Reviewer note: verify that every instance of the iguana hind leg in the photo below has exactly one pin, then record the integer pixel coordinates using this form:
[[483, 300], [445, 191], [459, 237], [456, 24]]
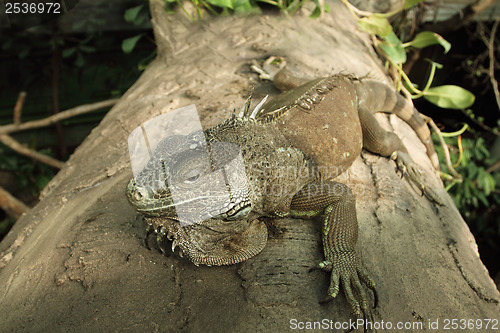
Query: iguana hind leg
[[376, 96], [336, 203], [388, 144]]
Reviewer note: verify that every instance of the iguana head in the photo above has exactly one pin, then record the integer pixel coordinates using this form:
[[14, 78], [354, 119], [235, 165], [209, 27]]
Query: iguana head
[[190, 180], [196, 194]]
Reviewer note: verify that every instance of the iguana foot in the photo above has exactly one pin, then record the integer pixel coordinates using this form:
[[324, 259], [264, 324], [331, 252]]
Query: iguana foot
[[269, 68], [406, 165], [345, 270]]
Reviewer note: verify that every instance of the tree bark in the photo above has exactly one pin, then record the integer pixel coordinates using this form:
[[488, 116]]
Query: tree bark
[[77, 261]]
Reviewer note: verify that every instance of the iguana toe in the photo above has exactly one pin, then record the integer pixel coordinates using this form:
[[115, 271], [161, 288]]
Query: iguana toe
[[270, 67], [345, 271], [407, 167], [370, 284]]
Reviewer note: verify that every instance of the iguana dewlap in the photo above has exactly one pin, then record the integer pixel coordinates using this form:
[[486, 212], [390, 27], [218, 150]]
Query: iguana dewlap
[[286, 143]]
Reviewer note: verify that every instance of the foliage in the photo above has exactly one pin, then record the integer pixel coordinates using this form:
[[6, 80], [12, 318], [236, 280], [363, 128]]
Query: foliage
[[78, 50], [30, 175], [225, 7], [470, 159], [91, 66], [137, 16], [394, 51], [386, 41], [476, 196], [473, 188]]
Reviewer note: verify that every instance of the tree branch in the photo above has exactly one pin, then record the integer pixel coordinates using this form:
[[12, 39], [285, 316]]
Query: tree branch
[[12, 206], [491, 53], [493, 167], [57, 117], [447, 158], [18, 109], [21, 149]]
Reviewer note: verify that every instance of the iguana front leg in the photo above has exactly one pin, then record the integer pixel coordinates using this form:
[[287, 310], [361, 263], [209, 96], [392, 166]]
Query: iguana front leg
[[274, 69], [336, 203]]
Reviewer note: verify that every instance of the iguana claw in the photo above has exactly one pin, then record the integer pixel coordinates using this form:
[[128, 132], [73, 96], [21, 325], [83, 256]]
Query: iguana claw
[[346, 271], [406, 166], [269, 68]]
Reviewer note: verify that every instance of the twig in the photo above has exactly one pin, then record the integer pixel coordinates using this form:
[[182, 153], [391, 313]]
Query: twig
[[493, 167], [12, 206], [57, 117], [21, 149], [18, 109], [481, 124], [445, 147], [491, 53]]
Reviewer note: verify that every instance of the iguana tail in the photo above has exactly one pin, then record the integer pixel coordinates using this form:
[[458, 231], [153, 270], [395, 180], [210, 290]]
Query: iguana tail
[[378, 97]]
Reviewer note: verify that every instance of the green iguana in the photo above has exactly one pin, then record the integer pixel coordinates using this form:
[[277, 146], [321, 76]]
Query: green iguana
[[286, 143]]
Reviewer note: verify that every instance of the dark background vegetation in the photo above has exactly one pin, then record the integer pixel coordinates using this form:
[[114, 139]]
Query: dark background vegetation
[[62, 64], [73, 61]]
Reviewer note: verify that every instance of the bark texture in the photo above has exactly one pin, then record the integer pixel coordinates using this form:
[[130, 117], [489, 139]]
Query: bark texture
[[77, 261]]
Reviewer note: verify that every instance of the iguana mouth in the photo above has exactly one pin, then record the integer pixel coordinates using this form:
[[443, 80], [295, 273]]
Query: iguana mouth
[[147, 201], [188, 210]]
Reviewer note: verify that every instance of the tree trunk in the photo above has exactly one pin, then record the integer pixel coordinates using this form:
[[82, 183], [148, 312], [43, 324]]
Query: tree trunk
[[77, 261]]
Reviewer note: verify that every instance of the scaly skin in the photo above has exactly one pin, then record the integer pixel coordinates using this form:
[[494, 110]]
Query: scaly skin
[[296, 143]]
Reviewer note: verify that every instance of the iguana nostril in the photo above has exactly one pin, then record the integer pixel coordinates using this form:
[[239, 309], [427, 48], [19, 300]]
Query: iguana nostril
[[138, 196]]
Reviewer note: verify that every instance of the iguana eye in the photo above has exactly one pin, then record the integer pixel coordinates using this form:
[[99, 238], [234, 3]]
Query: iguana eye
[[192, 176], [192, 179]]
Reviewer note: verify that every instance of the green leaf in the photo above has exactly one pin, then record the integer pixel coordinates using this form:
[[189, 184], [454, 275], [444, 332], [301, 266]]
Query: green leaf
[[140, 19], [66, 53], [394, 49], [246, 7], [87, 49], [489, 183], [450, 97], [77, 25], [222, 3], [427, 38], [41, 181], [80, 60], [145, 62], [131, 13], [483, 199], [24, 53], [375, 25], [316, 12], [467, 189], [411, 3], [129, 44]]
